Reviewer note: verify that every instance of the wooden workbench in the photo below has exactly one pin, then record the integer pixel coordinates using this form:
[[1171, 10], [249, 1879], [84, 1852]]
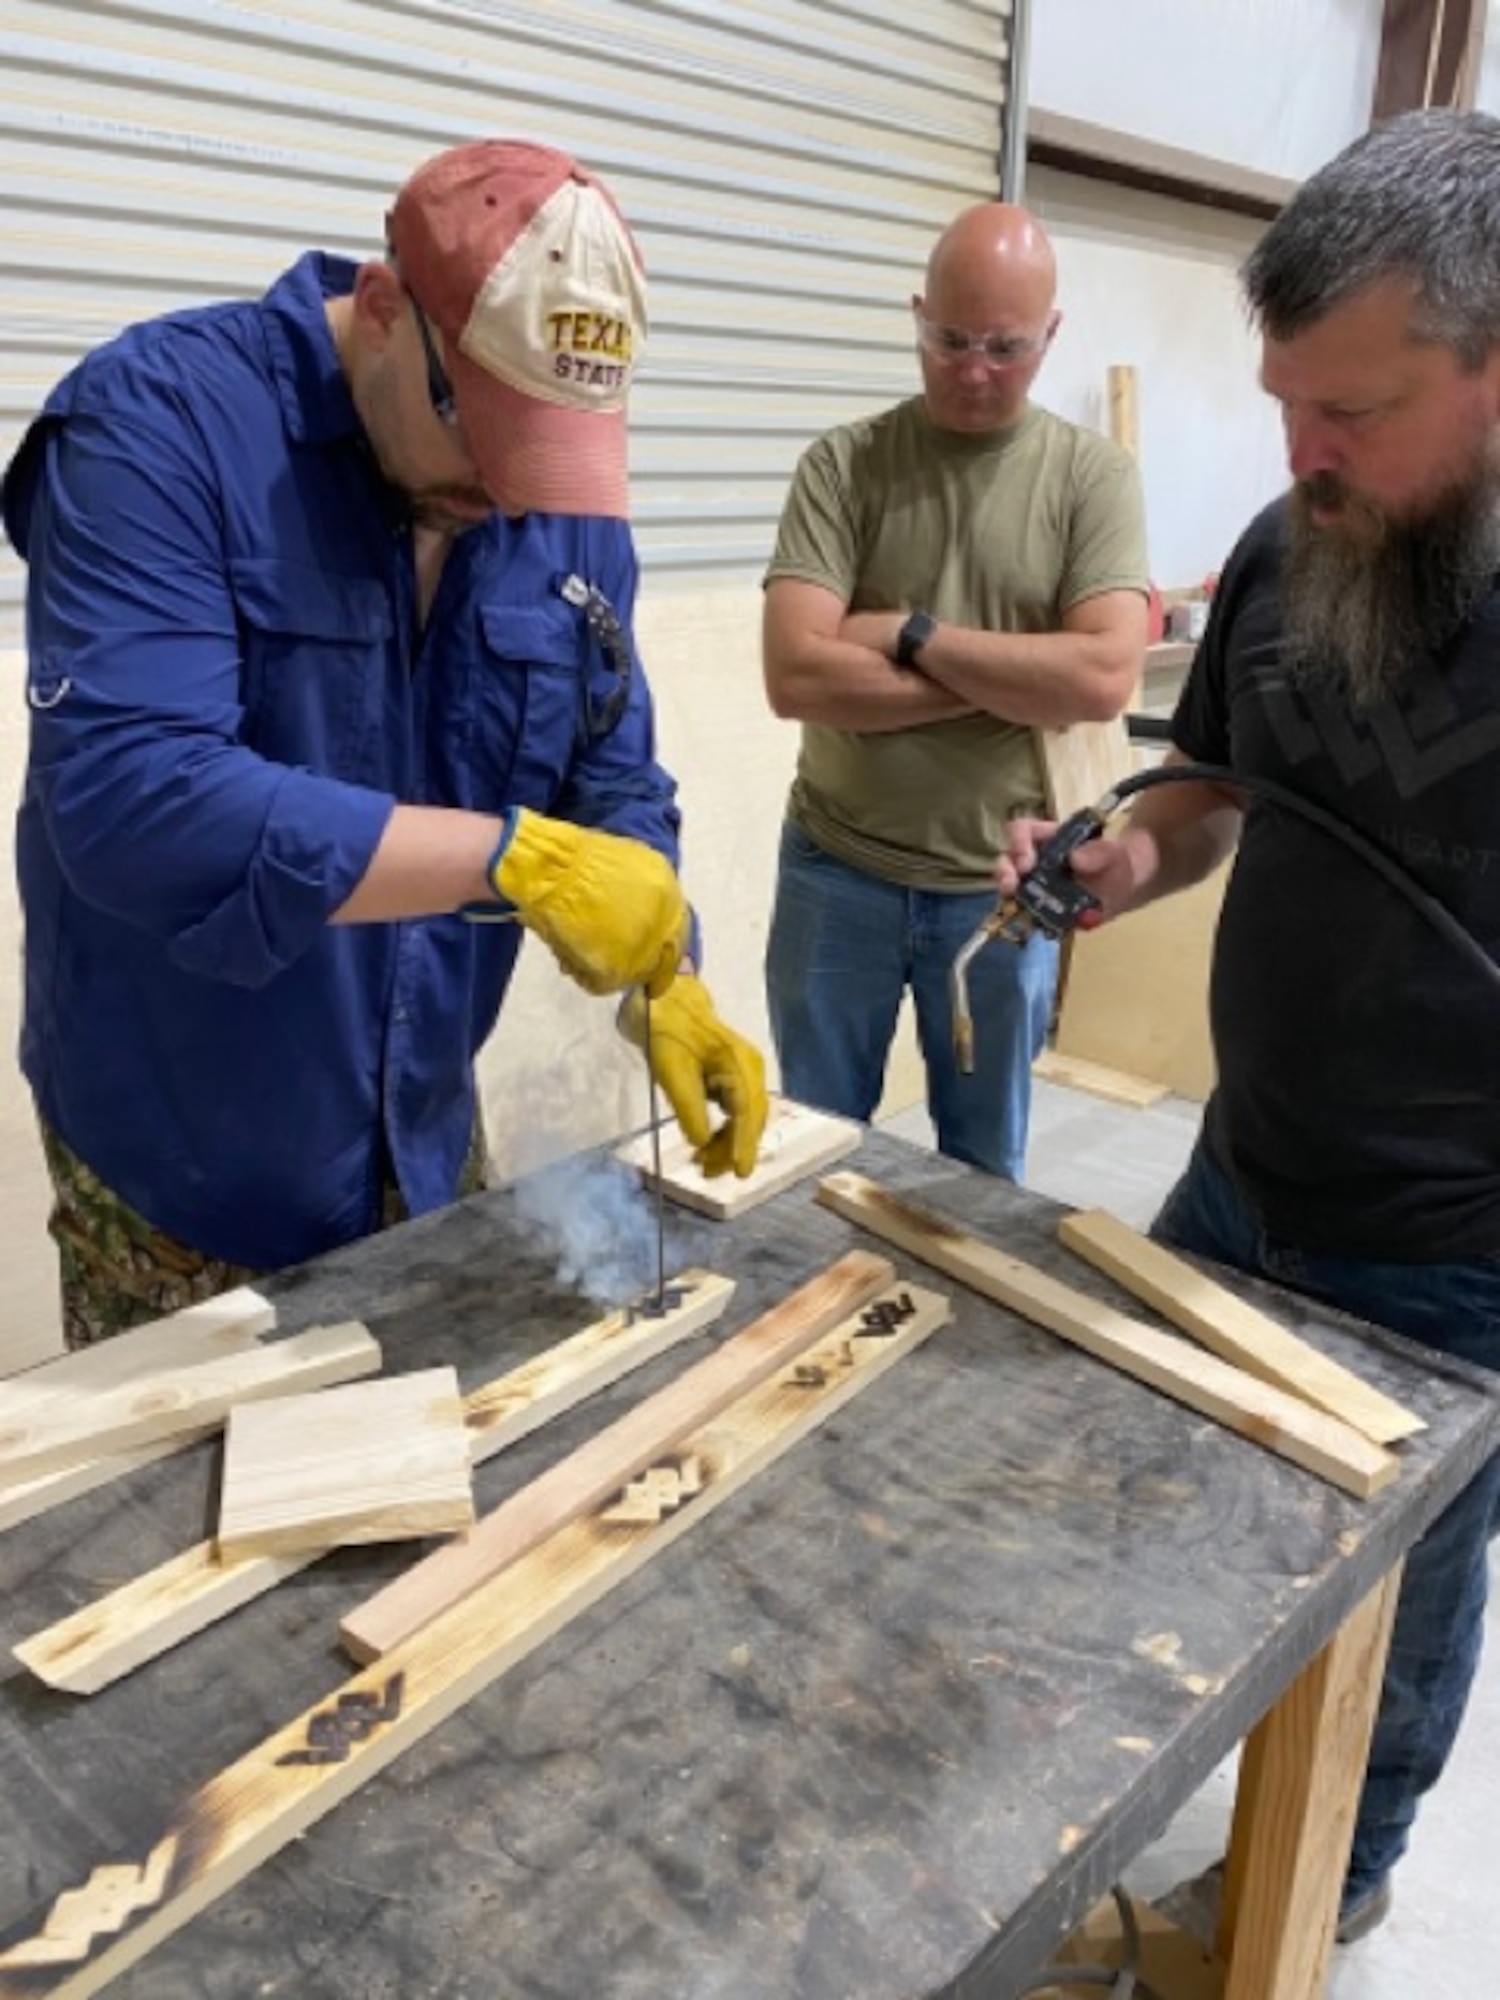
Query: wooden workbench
[[884, 1726]]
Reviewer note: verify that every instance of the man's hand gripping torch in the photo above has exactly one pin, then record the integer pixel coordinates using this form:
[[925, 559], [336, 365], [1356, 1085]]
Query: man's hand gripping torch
[[1049, 898]]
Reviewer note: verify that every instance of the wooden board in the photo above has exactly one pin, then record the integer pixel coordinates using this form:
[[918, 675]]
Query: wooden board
[[23, 1500], [1136, 994], [366, 1462], [798, 1141], [1112, 1084], [1124, 419], [607, 1461], [264, 1800], [1229, 1326], [41, 1432], [231, 1323], [1251, 1408], [524, 1398], [111, 1637], [105, 1640]]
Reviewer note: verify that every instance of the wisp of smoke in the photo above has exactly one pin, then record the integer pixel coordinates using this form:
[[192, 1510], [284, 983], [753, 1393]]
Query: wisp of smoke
[[602, 1225]]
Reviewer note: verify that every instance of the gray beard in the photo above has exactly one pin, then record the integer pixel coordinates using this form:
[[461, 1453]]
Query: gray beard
[[1360, 611]]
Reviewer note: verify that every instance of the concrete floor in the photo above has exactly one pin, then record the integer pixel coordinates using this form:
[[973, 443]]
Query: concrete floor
[[1441, 1936]]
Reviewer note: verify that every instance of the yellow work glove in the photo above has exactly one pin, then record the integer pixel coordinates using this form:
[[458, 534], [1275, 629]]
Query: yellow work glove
[[610, 909], [697, 1060]]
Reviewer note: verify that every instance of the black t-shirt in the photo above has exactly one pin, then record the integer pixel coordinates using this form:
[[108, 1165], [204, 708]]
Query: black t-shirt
[[1358, 1101]]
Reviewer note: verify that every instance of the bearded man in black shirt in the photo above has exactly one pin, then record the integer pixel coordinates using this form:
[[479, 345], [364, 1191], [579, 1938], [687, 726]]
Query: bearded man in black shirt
[[1351, 1147]]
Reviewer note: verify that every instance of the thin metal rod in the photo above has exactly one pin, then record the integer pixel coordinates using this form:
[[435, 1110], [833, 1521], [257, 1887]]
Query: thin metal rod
[[1016, 105], [661, 1214]]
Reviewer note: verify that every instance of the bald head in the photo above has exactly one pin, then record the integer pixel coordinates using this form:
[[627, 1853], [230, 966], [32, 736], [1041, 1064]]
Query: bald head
[[997, 253], [991, 280]]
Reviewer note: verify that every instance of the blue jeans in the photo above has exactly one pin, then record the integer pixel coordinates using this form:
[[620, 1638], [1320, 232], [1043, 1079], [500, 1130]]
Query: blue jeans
[[1440, 1612], [843, 948]]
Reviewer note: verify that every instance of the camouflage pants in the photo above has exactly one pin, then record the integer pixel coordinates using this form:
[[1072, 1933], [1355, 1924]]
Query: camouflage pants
[[118, 1271]]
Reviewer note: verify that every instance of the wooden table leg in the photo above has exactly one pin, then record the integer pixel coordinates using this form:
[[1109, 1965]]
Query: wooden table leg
[[1299, 1784]]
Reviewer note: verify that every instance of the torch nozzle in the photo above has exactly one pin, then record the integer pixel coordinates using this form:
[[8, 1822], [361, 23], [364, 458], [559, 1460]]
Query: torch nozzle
[[995, 925]]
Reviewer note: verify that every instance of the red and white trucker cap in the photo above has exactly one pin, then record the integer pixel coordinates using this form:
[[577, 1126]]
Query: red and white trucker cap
[[523, 261]]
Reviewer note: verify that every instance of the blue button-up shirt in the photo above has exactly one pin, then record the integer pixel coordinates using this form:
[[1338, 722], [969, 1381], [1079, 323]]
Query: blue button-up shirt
[[230, 689]]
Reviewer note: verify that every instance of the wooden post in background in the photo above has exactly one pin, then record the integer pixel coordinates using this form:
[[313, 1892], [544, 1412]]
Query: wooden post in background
[[1131, 997], [1123, 425], [1125, 430]]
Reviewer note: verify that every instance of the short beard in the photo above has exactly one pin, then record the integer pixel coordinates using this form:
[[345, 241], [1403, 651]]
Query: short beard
[[1363, 604]]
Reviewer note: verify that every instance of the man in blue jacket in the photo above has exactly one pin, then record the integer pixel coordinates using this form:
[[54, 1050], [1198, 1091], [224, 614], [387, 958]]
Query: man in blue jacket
[[328, 625]]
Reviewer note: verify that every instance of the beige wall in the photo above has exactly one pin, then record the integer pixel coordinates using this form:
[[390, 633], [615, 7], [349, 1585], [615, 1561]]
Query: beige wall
[[556, 1076]]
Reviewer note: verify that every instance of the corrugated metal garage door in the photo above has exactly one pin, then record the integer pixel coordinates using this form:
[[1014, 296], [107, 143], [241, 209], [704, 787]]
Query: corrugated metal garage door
[[785, 166]]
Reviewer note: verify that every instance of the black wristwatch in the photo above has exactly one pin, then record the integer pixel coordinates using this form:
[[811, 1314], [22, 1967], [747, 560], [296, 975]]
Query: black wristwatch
[[913, 636]]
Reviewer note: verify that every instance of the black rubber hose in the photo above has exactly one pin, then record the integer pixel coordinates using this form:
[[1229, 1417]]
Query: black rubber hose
[[1437, 914]]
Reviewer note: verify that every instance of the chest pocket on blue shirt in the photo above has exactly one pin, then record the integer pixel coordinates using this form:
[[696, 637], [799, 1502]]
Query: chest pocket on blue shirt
[[320, 661], [523, 713]]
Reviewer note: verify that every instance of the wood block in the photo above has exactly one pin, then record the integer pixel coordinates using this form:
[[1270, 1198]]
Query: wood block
[[44, 1432], [119, 1632], [1232, 1328], [609, 1460], [376, 1461], [798, 1141], [251, 1810], [1113, 1084], [1251, 1408]]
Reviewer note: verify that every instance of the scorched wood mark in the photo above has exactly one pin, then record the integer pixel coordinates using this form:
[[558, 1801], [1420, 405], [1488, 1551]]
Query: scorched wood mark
[[669, 1301], [877, 1322], [353, 1717], [887, 1314]]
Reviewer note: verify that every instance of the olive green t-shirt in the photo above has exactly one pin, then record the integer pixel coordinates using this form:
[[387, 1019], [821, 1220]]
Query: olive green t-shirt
[[1004, 532]]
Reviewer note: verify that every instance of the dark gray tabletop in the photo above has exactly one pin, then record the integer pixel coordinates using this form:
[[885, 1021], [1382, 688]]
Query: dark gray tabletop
[[882, 1727]]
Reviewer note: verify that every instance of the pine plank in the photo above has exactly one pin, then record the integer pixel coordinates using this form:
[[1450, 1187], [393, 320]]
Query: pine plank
[[1235, 1330], [50, 1432], [797, 1142], [230, 1324], [1111, 1084], [524, 1398], [613, 1456], [374, 1461], [252, 1809], [23, 1500], [101, 1643], [105, 1640], [1251, 1408]]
